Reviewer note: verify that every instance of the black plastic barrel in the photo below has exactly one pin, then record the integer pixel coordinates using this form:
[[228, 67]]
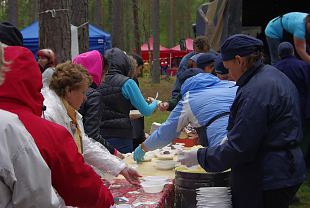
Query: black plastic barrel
[[186, 184]]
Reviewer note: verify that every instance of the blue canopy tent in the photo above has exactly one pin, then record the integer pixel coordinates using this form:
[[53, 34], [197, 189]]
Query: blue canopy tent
[[98, 39]]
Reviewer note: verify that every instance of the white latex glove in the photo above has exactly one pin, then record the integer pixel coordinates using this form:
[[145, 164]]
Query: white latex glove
[[189, 159]]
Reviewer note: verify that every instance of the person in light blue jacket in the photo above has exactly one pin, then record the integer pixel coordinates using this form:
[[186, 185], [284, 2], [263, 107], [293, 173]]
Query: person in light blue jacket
[[204, 97]]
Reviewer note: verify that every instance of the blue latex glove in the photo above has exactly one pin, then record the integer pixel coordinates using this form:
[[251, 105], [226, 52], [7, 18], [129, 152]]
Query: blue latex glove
[[138, 154]]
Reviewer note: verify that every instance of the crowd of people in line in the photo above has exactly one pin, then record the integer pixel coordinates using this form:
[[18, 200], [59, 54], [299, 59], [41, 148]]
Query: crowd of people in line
[[66, 126]]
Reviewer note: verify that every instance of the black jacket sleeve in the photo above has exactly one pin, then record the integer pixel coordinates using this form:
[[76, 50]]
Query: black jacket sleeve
[[174, 101], [92, 113]]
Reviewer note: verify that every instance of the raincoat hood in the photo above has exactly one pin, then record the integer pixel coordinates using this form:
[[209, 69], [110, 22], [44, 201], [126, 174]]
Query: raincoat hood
[[198, 82], [23, 82], [92, 62], [118, 62]]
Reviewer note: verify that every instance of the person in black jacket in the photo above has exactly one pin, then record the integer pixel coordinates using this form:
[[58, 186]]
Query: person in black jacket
[[91, 108], [298, 71], [119, 93], [264, 130]]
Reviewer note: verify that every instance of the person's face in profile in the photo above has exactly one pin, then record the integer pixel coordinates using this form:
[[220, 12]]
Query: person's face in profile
[[77, 96], [43, 61], [236, 67], [222, 76]]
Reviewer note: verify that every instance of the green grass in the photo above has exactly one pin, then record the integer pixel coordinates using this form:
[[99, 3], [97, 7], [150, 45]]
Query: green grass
[[303, 195], [164, 91]]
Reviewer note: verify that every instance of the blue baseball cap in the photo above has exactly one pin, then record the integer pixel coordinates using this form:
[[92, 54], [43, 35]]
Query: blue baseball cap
[[240, 44], [285, 49], [219, 67], [205, 60]]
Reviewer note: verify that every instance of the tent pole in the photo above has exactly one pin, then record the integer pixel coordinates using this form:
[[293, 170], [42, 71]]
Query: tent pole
[[170, 61]]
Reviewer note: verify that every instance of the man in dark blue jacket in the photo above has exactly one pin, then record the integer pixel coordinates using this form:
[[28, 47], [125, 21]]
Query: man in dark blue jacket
[[264, 131], [298, 72]]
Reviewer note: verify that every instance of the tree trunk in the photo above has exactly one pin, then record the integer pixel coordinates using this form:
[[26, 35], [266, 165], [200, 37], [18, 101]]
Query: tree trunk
[[122, 27], [98, 13], [91, 11], [116, 24], [79, 16], [146, 5], [171, 23], [155, 27], [127, 26], [55, 32], [110, 15], [135, 12], [33, 11], [12, 12]]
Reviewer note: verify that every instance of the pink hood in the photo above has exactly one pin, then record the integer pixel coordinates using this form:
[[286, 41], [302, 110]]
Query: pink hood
[[92, 62]]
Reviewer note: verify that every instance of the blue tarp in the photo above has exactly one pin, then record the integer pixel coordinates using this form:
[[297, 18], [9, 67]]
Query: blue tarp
[[98, 39]]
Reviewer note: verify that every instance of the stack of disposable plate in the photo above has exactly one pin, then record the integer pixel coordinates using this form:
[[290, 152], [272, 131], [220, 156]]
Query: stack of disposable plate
[[213, 197]]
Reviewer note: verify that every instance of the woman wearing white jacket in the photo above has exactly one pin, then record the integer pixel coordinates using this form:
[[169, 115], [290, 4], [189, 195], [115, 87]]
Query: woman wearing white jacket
[[63, 98]]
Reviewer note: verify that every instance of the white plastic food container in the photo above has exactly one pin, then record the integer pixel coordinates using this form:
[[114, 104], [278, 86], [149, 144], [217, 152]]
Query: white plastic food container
[[152, 187], [165, 164], [156, 179]]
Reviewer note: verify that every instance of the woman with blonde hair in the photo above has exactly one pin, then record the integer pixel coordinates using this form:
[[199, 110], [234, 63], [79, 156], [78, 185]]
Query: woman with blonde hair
[[63, 98]]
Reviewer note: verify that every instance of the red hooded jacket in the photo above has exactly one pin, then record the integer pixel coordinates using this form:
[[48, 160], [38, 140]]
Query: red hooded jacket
[[75, 181]]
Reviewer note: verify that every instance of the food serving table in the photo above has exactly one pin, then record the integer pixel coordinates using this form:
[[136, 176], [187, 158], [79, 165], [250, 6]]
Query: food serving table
[[134, 196]]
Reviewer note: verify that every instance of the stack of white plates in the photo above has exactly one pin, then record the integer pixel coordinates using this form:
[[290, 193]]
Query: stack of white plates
[[213, 197]]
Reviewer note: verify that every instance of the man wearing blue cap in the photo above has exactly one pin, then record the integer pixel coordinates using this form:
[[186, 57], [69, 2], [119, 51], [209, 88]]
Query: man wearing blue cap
[[192, 62], [264, 130], [298, 72], [206, 62]]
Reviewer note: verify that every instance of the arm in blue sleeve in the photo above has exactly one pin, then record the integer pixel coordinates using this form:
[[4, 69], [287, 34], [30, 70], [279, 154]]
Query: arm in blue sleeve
[[244, 139], [131, 91], [170, 129]]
